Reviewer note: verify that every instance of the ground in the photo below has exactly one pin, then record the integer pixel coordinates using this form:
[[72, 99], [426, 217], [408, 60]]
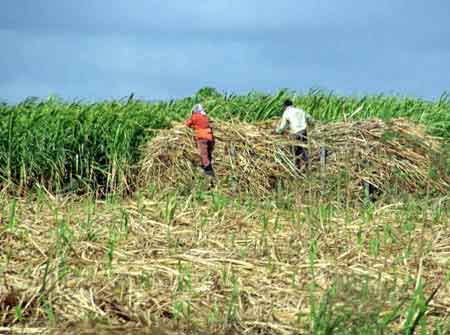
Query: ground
[[208, 262]]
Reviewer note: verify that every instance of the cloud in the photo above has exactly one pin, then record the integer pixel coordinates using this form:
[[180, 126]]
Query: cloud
[[164, 49]]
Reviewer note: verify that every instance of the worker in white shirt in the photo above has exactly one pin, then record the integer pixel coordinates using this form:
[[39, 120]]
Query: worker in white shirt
[[295, 120]]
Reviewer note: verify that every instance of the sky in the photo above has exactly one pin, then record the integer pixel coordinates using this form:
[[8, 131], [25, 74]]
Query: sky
[[104, 49]]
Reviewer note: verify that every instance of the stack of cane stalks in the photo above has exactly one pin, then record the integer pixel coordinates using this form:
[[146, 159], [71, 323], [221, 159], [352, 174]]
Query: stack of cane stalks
[[351, 156]]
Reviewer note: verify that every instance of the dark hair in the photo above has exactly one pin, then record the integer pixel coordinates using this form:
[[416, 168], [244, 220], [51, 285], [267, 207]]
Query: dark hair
[[287, 103]]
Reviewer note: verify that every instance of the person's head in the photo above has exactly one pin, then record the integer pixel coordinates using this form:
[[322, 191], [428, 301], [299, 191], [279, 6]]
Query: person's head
[[198, 108], [287, 103]]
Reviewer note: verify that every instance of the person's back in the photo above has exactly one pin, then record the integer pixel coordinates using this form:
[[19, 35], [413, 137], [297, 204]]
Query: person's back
[[200, 123], [204, 137], [295, 119]]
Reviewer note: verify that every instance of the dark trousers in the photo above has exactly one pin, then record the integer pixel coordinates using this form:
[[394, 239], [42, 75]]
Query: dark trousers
[[300, 152], [206, 148]]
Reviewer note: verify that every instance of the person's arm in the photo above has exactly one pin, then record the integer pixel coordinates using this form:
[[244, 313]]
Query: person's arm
[[189, 122], [282, 124], [309, 119]]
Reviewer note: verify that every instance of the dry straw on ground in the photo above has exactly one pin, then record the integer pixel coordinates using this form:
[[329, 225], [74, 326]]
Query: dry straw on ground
[[251, 270], [250, 158]]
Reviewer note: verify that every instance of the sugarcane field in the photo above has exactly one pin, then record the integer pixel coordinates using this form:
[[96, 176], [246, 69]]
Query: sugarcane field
[[279, 213]]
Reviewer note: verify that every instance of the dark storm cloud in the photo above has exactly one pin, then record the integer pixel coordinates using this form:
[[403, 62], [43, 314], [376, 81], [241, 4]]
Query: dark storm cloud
[[162, 49]]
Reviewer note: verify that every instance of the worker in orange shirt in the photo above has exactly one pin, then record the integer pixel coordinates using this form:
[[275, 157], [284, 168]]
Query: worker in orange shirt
[[203, 136]]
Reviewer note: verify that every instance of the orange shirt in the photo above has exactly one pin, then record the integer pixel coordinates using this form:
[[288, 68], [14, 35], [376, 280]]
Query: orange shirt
[[200, 123]]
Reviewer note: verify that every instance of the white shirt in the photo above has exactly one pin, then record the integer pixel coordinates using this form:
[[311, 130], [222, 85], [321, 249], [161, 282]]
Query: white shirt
[[295, 118]]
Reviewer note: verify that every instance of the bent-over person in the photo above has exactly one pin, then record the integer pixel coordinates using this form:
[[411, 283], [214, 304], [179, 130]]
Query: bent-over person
[[203, 136], [296, 121]]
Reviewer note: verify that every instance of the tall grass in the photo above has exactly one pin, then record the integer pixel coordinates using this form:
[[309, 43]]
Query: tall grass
[[80, 146]]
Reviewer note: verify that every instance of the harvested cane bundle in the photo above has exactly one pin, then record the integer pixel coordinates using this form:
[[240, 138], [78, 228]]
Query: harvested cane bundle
[[249, 158], [397, 153]]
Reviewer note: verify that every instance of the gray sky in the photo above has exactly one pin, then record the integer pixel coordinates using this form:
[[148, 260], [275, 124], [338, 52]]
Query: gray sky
[[97, 49]]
